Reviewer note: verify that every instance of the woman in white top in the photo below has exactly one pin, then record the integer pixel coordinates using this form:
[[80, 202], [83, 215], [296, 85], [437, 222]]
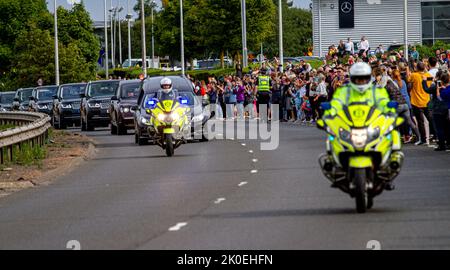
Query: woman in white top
[[349, 47]]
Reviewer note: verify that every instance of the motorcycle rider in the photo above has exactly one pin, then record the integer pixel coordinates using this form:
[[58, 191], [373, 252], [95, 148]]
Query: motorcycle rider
[[167, 92], [362, 89]]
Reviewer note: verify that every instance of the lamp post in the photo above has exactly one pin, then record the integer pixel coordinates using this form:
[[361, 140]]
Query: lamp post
[[280, 15], [244, 34], [144, 55], [119, 9], [106, 40], [129, 33], [56, 47], [153, 38], [182, 38]]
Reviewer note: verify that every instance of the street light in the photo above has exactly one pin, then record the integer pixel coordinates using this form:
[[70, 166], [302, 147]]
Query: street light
[[56, 46], [111, 10], [119, 9], [144, 54], [182, 37], [106, 40], [153, 38], [129, 33], [280, 15], [244, 34]]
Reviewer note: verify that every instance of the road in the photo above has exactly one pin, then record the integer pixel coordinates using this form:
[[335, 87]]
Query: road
[[226, 194]]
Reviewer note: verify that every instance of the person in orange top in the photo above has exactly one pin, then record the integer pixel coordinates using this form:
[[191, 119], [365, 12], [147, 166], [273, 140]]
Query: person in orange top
[[419, 101]]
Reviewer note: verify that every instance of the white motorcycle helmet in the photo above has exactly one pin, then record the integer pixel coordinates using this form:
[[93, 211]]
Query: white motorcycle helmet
[[166, 85], [361, 77]]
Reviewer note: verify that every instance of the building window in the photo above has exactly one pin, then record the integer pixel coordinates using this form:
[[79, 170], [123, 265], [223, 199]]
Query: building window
[[435, 22]]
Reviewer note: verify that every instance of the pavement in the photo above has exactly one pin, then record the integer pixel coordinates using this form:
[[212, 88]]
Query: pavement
[[227, 195]]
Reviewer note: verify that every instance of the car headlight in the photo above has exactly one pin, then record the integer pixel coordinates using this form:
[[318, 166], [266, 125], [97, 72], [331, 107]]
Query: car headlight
[[145, 121], [359, 137], [42, 107], [94, 105], [66, 106], [198, 118], [125, 109]]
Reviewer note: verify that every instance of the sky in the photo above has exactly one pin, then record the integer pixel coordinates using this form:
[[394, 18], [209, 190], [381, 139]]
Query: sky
[[96, 9]]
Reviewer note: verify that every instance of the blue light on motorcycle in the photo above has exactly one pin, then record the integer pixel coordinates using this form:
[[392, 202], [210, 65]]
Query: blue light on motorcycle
[[389, 137], [392, 105], [184, 101], [325, 106], [331, 138]]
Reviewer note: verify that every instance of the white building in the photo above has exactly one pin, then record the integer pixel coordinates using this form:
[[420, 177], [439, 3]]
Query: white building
[[381, 21]]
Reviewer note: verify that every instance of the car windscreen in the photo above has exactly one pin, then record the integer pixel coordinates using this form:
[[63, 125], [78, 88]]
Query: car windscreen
[[130, 90], [7, 98], [100, 89], [46, 93], [72, 91], [25, 94]]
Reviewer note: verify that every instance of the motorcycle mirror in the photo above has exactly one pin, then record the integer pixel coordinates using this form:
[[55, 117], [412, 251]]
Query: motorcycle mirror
[[392, 105], [320, 124], [114, 98], [31, 98], [399, 121], [82, 95], [325, 106], [54, 96]]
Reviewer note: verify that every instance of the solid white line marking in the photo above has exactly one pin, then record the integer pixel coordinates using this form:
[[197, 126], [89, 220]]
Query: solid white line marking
[[250, 151], [242, 184], [255, 160], [253, 171], [178, 226], [243, 144], [219, 200]]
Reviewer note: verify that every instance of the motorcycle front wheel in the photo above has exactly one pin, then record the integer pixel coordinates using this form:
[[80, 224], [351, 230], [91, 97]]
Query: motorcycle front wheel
[[169, 145], [360, 180]]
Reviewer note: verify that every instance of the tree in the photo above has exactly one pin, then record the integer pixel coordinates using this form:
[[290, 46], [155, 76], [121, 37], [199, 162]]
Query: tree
[[75, 26], [16, 16]]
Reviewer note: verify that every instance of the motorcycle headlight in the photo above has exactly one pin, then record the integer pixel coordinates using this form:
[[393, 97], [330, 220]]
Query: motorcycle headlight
[[359, 137], [174, 116], [145, 121], [161, 117], [345, 135], [94, 105], [373, 134], [198, 118], [66, 106]]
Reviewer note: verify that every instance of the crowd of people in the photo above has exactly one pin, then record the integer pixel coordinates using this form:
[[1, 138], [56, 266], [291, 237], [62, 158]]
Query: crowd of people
[[420, 86]]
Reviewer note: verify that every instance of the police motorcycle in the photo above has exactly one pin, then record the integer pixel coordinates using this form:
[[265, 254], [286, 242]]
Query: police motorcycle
[[362, 150], [169, 120]]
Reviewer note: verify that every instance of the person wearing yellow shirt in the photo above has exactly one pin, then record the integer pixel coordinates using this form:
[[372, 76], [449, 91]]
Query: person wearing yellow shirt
[[420, 100]]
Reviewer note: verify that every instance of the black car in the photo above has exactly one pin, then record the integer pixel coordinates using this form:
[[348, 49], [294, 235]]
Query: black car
[[120, 110], [6, 100], [149, 89], [41, 99], [94, 110], [66, 105], [22, 99]]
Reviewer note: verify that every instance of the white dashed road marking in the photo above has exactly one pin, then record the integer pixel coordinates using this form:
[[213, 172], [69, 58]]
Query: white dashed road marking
[[254, 160], [250, 151], [178, 226], [243, 144], [253, 171], [219, 200], [242, 184]]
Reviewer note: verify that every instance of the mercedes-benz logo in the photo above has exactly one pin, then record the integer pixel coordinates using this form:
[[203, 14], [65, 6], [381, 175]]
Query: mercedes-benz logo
[[346, 7]]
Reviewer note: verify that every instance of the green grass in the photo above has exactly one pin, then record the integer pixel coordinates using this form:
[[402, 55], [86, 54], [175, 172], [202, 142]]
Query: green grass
[[7, 126], [26, 155]]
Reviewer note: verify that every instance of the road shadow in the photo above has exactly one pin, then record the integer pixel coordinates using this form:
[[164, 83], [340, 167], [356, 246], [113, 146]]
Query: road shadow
[[145, 157], [296, 213]]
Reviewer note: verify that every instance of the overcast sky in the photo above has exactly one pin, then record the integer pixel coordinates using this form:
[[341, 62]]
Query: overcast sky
[[95, 7]]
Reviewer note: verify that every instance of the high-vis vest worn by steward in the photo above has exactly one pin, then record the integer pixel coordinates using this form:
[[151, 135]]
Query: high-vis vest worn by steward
[[263, 84]]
